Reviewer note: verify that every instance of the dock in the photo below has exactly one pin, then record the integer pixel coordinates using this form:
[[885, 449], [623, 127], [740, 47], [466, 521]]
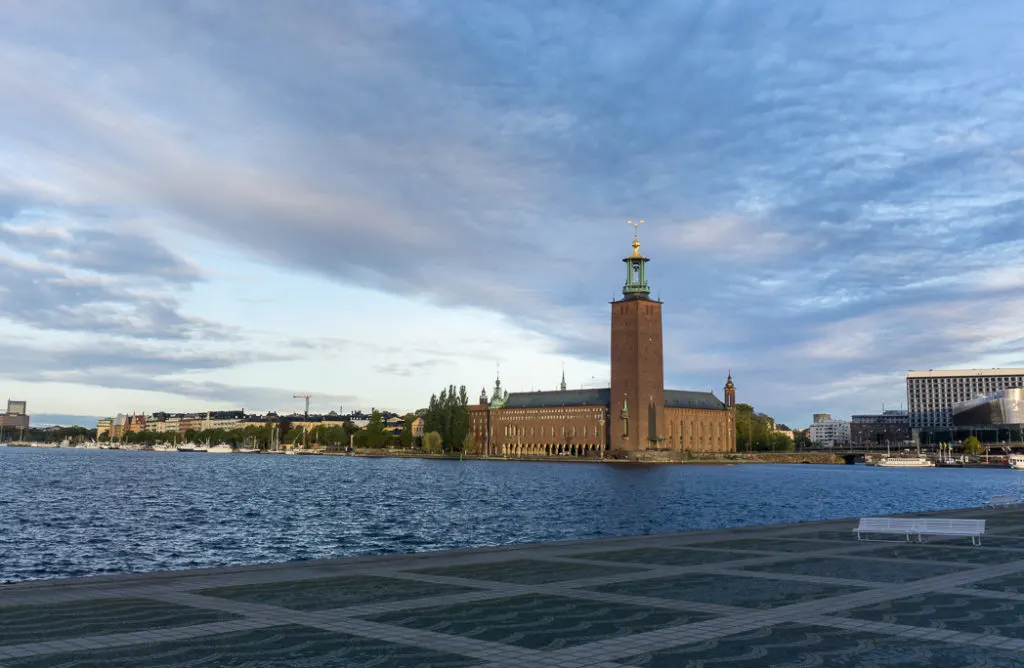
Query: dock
[[796, 594]]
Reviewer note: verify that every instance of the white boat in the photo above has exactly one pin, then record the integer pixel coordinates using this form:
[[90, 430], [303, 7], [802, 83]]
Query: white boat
[[191, 447], [1017, 462], [905, 461], [220, 449], [249, 451]]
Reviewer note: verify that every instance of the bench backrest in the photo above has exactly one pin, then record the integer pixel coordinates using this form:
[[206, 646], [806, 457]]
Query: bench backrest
[[886, 523], [921, 524], [965, 526]]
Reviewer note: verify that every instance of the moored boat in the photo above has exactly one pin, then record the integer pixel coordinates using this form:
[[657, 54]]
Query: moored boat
[[905, 461]]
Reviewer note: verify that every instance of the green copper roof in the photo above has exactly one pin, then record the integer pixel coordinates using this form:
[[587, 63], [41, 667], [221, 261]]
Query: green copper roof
[[602, 397], [558, 398], [688, 399]]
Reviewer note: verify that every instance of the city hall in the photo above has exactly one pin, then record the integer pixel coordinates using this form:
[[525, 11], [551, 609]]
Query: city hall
[[635, 416]]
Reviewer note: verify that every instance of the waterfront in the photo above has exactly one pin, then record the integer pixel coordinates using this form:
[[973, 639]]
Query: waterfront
[[69, 512]]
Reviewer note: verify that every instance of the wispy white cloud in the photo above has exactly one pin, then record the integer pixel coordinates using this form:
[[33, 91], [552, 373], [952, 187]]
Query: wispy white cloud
[[833, 191]]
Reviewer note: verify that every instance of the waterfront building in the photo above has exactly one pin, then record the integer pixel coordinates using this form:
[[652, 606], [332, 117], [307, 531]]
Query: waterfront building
[[103, 427], [892, 426], [829, 432], [931, 394], [635, 415], [1002, 408]]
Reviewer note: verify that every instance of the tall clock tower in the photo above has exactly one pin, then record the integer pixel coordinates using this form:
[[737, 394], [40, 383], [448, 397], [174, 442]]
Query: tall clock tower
[[637, 410]]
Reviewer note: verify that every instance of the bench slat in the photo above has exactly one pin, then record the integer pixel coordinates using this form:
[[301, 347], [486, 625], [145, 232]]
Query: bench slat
[[921, 526]]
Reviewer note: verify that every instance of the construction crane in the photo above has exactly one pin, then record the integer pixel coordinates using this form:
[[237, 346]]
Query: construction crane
[[305, 396], [305, 427]]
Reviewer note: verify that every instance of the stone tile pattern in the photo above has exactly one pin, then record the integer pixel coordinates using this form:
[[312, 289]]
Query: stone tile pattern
[[795, 595]]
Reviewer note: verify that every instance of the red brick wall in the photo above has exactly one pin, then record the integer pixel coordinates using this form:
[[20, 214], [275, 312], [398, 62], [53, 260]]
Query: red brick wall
[[638, 375]]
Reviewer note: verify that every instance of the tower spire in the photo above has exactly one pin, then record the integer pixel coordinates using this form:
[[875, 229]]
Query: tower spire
[[636, 269], [563, 378]]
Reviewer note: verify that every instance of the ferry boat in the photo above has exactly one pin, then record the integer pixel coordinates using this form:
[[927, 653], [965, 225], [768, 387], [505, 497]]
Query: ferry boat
[[1017, 462], [905, 461]]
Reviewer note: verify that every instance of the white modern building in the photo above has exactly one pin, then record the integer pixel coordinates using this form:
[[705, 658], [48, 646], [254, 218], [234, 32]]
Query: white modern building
[[828, 432], [931, 394]]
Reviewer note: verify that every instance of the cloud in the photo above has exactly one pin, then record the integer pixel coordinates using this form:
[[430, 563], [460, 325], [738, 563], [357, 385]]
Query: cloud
[[820, 181]]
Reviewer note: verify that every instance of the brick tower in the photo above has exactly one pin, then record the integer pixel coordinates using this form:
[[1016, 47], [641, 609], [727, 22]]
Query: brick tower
[[637, 402]]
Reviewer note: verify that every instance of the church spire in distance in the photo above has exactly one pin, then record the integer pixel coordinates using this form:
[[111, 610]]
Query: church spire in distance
[[563, 385], [636, 269]]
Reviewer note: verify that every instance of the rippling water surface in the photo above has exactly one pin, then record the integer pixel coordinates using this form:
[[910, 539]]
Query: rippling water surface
[[66, 512]]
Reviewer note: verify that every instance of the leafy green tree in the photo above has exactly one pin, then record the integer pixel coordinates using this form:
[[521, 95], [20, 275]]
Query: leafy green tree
[[376, 434], [972, 446], [469, 443], [448, 415], [405, 439], [432, 442]]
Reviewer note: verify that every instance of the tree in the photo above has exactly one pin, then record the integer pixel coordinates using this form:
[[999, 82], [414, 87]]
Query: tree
[[448, 415], [405, 438], [469, 443], [972, 446], [432, 442], [376, 434]]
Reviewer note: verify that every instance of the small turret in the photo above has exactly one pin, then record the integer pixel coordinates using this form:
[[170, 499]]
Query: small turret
[[563, 386], [483, 396], [730, 392]]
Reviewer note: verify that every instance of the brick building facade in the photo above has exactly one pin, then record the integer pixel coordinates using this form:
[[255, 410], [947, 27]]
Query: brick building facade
[[635, 414]]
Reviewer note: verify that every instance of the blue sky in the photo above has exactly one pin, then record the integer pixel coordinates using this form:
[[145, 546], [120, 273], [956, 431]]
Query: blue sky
[[220, 204]]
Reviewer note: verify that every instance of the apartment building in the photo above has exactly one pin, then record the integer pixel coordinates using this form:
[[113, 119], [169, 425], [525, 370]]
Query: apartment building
[[828, 432], [931, 394]]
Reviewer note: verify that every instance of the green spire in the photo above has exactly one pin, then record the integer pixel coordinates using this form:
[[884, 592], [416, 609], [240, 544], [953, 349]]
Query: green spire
[[636, 271]]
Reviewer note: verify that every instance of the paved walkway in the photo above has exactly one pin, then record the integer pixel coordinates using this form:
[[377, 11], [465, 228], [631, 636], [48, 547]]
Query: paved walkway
[[793, 595]]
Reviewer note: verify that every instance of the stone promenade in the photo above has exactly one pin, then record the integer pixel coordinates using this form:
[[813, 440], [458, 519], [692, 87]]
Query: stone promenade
[[793, 595]]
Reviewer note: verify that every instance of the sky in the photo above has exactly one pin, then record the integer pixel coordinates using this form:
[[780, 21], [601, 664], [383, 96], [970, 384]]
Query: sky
[[219, 204]]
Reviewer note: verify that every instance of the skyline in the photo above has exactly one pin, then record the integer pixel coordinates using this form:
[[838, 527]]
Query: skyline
[[215, 206]]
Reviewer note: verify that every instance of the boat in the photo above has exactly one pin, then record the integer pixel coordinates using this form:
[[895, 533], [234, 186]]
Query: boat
[[905, 461], [191, 447], [220, 449], [1017, 462]]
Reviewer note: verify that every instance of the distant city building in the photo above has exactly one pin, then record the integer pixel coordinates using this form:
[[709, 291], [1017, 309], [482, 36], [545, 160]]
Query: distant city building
[[417, 427], [635, 414], [931, 394], [890, 426], [15, 417], [1004, 407], [818, 417], [829, 432]]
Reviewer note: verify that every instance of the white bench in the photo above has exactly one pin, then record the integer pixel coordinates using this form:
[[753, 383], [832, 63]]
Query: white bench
[[1001, 500], [933, 526], [887, 525], [920, 527]]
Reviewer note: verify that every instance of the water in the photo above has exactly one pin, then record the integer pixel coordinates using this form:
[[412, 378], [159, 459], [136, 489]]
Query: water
[[66, 512]]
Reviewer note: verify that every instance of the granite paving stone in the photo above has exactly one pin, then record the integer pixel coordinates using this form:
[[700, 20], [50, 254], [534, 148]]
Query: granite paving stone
[[858, 568], [29, 623], [736, 591], [665, 556], [792, 645], [283, 645], [329, 593], [526, 571], [542, 622], [949, 611]]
